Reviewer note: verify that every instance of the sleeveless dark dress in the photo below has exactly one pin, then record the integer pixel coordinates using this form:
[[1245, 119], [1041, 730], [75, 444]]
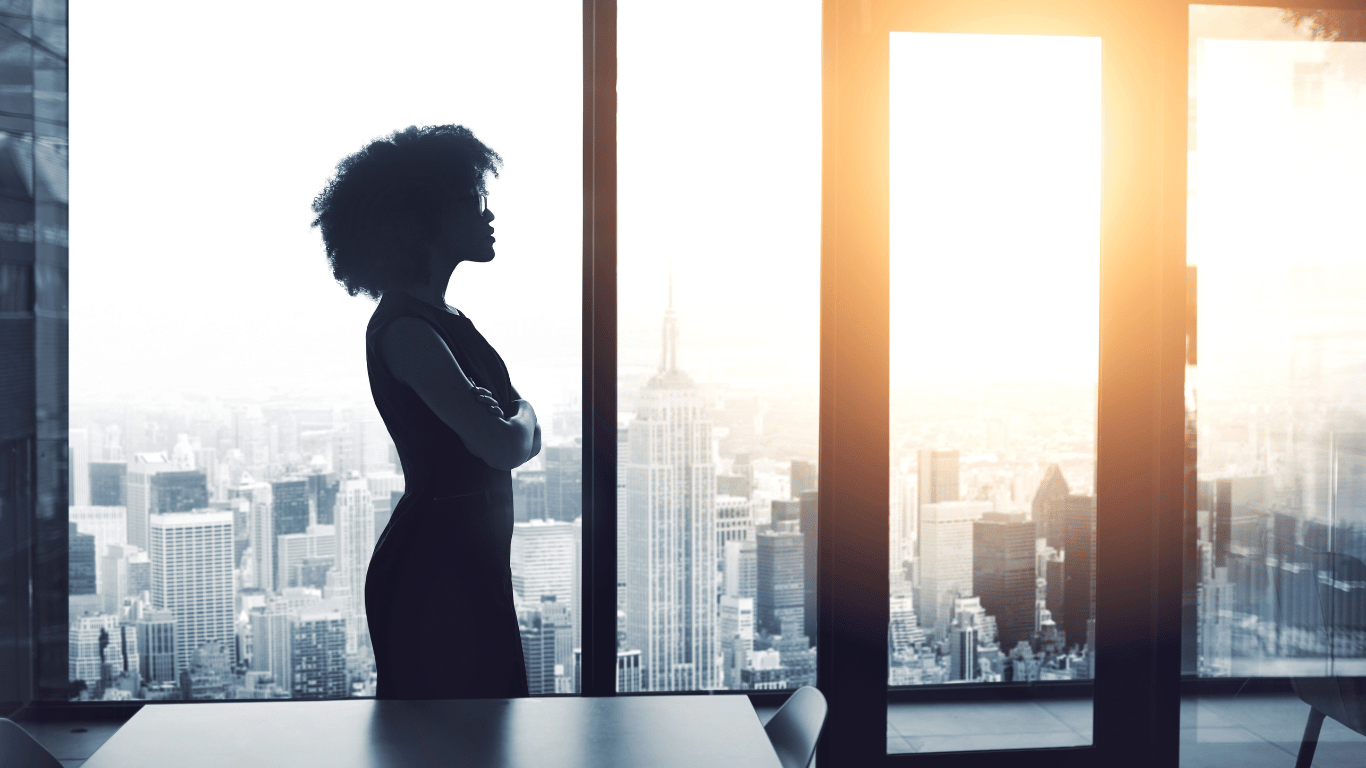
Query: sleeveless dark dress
[[438, 594]]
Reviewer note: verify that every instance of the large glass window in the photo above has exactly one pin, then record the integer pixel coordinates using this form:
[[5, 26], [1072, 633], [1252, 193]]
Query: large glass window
[[718, 253], [1276, 508], [995, 216], [229, 472]]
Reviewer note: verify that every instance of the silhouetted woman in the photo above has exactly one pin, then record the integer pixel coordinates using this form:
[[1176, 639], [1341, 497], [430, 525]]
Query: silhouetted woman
[[396, 220]]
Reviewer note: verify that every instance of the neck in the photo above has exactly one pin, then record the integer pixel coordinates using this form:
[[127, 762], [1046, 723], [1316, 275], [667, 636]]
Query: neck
[[432, 292]]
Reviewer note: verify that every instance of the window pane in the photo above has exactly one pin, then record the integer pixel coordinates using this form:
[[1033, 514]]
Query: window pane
[[719, 174], [1276, 515], [995, 213], [231, 472]]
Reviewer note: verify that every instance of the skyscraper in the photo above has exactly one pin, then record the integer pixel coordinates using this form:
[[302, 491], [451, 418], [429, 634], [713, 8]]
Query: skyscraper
[[272, 644], [108, 483], [156, 642], [80, 562], [319, 541], [563, 482], [1079, 572], [177, 491], [125, 571], [318, 655], [1003, 573], [781, 595], [808, 528], [139, 493], [109, 526], [803, 476], [262, 528], [191, 557], [938, 477], [945, 559], [355, 515], [538, 649], [623, 462], [289, 510], [741, 568], [542, 561], [734, 521], [671, 522], [1046, 508], [78, 441]]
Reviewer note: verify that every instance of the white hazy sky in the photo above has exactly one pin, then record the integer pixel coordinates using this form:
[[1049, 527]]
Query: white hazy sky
[[995, 206], [202, 131]]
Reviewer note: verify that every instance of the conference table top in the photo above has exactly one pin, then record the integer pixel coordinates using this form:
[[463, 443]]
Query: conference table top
[[656, 731]]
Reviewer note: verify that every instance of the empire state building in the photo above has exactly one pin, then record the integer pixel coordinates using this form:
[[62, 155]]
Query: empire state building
[[670, 529]]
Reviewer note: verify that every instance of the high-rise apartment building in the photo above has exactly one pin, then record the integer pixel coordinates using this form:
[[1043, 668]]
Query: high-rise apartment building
[[945, 567], [191, 554], [1003, 573], [108, 483], [671, 522], [781, 595]]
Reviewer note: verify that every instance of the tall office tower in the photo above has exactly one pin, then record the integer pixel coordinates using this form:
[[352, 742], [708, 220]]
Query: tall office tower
[[734, 522], [95, 641], [80, 562], [945, 559], [78, 467], [628, 671], [322, 496], [962, 652], [108, 483], [355, 514], [141, 469], [538, 650], [528, 495], [157, 645], [1079, 575], [803, 476], [623, 461], [289, 513], [291, 550], [177, 491], [1054, 570], [109, 526], [543, 561], [808, 528], [125, 571], [1046, 509], [318, 655], [671, 522], [563, 482], [737, 637], [1003, 573], [558, 614], [781, 595], [191, 557], [741, 568], [272, 644], [937, 477]]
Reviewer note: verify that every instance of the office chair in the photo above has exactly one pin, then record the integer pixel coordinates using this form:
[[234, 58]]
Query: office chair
[[1342, 606], [796, 727], [20, 750]]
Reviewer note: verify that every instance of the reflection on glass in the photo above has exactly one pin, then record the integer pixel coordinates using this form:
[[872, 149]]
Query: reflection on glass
[[229, 473], [718, 328], [995, 206], [1277, 159]]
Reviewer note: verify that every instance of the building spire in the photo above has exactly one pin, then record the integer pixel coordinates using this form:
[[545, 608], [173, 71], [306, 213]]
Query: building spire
[[669, 360]]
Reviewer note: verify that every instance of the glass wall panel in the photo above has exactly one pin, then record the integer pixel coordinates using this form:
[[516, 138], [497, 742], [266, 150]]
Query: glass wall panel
[[718, 295], [230, 472], [1276, 511], [995, 215]]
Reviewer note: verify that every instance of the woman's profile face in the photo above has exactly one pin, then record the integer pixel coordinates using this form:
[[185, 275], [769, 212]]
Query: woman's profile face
[[467, 233]]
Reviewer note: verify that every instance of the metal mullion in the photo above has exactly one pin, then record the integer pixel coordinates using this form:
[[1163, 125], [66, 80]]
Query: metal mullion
[[599, 575]]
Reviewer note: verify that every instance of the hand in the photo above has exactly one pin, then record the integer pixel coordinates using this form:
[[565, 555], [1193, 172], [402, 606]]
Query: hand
[[487, 400]]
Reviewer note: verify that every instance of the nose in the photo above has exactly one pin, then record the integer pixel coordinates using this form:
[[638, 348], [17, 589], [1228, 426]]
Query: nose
[[488, 214]]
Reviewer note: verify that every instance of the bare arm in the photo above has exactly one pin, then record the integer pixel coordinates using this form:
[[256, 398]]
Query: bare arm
[[418, 357]]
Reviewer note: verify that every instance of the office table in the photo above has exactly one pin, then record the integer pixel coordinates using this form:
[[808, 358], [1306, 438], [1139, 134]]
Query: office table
[[654, 731]]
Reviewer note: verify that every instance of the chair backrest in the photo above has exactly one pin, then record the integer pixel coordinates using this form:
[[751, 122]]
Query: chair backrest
[[20, 750], [796, 727]]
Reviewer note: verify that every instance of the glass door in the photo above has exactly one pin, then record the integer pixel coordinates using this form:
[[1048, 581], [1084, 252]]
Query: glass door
[[1001, 383]]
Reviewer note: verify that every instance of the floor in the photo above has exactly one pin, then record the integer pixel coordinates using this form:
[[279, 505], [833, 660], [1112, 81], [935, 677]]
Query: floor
[[1246, 731]]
